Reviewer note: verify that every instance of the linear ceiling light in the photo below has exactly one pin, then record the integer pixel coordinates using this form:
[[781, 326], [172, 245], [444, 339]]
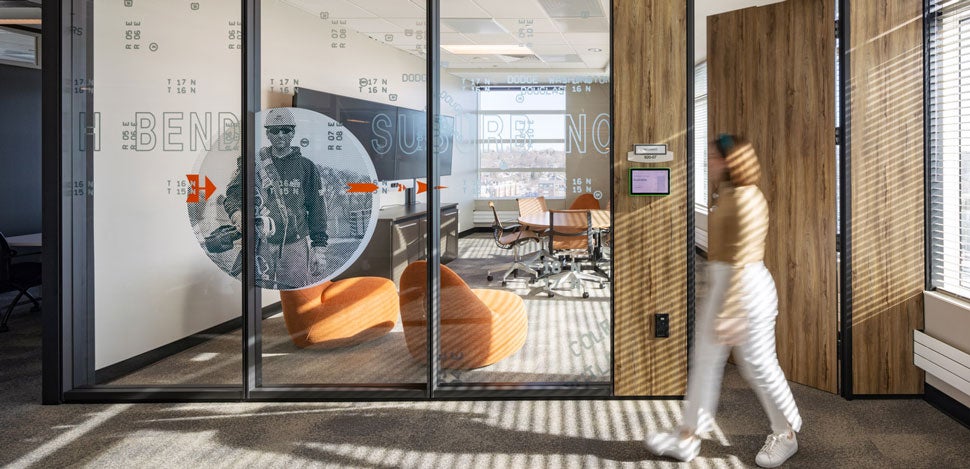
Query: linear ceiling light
[[479, 49]]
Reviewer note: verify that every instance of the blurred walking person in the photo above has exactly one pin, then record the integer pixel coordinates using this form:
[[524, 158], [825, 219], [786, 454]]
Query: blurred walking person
[[739, 312]]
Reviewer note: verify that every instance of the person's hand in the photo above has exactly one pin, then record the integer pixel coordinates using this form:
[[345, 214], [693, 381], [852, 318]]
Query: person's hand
[[731, 330], [318, 262], [236, 219]]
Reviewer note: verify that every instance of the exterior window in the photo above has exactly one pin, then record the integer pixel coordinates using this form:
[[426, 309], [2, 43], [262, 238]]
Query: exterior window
[[523, 142], [949, 114], [700, 136]]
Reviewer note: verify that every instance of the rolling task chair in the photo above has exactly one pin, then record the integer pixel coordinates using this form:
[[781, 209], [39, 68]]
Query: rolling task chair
[[511, 237], [572, 244], [18, 277]]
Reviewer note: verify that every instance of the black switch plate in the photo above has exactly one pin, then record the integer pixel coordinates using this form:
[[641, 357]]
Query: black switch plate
[[661, 325]]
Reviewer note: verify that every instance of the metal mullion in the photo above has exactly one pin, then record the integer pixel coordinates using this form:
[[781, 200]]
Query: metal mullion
[[845, 172], [110, 394], [433, 21], [251, 301]]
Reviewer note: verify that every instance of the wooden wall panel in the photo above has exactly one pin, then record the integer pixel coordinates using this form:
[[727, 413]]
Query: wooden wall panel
[[650, 243], [886, 127], [772, 79]]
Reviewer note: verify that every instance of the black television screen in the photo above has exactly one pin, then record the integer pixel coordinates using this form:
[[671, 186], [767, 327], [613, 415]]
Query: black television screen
[[394, 137]]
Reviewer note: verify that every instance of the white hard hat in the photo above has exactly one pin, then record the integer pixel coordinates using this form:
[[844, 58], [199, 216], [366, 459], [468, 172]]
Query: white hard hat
[[279, 116]]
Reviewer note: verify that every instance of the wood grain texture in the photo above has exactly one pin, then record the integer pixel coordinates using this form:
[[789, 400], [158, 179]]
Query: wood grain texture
[[886, 125], [650, 250], [772, 79]]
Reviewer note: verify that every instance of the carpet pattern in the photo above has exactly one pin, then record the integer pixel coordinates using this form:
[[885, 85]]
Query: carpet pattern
[[568, 341], [484, 434]]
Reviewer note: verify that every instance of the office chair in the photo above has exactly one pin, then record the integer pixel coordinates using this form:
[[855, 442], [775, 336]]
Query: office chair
[[585, 201], [571, 243], [531, 205], [17, 277], [510, 238]]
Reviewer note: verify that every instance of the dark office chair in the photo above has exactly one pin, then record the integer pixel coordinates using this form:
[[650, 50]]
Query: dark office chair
[[17, 277]]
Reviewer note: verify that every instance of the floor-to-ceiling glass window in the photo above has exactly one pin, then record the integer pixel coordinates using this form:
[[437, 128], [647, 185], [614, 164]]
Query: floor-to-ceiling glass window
[[527, 300], [342, 151], [341, 209]]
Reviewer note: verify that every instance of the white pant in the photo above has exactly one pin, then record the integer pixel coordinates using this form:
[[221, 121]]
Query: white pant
[[756, 358]]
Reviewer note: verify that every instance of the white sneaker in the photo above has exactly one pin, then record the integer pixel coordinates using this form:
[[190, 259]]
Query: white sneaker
[[671, 444], [777, 449]]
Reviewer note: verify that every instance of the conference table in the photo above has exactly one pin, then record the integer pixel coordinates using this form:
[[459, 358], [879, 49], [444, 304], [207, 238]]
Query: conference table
[[566, 221]]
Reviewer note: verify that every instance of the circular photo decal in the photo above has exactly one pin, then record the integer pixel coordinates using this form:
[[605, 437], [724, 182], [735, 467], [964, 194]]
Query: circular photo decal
[[316, 200]]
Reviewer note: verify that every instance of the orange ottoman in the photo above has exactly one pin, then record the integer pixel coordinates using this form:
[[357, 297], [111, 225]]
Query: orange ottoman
[[341, 313], [478, 327]]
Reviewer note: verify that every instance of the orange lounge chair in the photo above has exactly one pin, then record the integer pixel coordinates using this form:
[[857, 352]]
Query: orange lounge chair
[[478, 327], [342, 313]]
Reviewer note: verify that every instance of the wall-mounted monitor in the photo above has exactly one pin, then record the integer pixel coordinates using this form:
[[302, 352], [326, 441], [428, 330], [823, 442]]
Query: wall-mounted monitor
[[394, 137], [650, 181]]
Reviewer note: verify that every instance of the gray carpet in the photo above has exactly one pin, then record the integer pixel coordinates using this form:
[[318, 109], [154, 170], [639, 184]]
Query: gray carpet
[[493, 434], [568, 341], [488, 434]]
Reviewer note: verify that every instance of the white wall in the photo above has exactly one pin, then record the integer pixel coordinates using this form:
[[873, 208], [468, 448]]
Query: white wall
[[153, 281], [947, 319]]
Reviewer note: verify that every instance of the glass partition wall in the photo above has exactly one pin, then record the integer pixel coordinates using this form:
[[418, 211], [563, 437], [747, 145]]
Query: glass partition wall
[[295, 199]]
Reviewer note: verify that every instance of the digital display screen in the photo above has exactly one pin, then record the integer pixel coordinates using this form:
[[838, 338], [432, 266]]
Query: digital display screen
[[650, 181]]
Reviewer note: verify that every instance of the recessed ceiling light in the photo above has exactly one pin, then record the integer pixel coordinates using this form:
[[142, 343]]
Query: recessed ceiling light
[[485, 49], [595, 49]]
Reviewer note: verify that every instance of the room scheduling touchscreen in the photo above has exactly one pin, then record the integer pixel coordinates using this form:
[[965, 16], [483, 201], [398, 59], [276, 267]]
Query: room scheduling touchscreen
[[650, 181]]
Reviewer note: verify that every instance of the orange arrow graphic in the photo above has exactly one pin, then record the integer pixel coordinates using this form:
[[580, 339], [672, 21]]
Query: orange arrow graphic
[[400, 188], [210, 188], [193, 188], [423, 187], [361, 187]]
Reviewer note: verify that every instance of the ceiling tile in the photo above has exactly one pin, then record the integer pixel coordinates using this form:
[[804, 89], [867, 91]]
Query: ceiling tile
[[390, 8], [409, 23], [512, 8], [597, 39], [527, 25], [462, 9], [492, 39], [373, 25], [454, 39], [583, 25], [331, 9], [474, 25], [595, 60], [545, 38], [552, 49], [573, 8]]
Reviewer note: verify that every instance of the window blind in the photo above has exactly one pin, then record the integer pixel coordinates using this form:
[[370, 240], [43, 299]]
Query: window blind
[[700, 134], [949, 134]]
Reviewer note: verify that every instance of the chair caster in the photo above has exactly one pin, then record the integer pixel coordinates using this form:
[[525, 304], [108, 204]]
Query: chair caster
[[504, 283], [489, 278], [585, 294], [551, 294], [602, 285], [4, 328]]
